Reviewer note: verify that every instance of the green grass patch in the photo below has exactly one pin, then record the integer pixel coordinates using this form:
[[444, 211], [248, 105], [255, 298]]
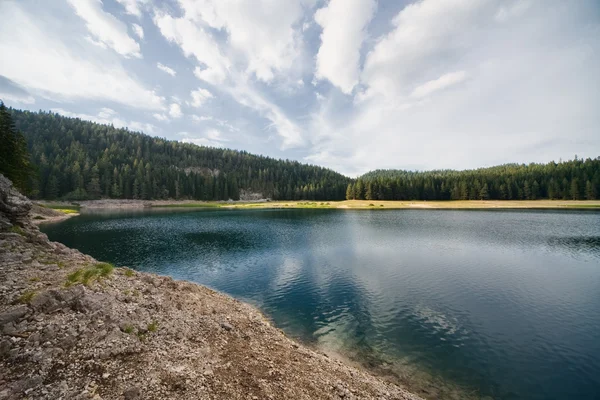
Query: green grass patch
[[67, 210], [88, 275], [129, 272], [26, 297], [73, 208], [17, 229], [128, 329], [153, 327]]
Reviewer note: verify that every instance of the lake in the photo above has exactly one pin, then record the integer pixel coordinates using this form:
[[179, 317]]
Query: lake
[[452, 304]]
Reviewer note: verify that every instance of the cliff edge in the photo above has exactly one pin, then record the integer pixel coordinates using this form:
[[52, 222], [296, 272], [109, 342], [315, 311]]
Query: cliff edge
[[74, 328]]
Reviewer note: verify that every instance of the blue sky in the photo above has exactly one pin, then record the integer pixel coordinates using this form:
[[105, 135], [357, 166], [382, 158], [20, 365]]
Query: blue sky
[[353, 85]]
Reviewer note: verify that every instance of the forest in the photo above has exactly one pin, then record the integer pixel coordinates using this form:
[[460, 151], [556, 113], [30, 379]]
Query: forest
[[80, 160], [55, 157], [570, 180]]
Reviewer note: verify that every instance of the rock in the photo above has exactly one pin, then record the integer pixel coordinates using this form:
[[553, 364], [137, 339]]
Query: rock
[[133, 393], [14, 207], [227, 326], [13, 314], [46, 301], [5, 347]]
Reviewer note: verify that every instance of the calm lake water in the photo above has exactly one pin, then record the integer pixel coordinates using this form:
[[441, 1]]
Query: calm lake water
[[504, 304]]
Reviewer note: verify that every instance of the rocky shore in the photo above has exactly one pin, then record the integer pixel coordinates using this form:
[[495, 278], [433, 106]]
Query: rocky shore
[[75, 328]]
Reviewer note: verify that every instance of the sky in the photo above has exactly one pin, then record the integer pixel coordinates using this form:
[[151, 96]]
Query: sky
[[352, 85]]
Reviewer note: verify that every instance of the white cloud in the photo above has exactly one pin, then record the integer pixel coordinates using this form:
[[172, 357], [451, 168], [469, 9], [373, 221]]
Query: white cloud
[[175, 110], [202, 118], [108, 116], [261, 31], [443, 82], [160, 117], [138, 30], [106, 28], [59, 66], [344, 23], [166, 69], [199, 97], [134, 7], [214, 134], [527, 97], [196, 42]]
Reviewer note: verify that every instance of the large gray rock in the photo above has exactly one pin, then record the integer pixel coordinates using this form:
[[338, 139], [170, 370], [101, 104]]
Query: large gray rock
[[14, 207]]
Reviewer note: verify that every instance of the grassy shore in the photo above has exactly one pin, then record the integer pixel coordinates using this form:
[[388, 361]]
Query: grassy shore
[[372, 204]]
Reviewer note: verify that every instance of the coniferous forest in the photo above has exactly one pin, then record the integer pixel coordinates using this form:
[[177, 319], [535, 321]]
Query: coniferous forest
[[79, 160], [571, 180], [73, 159]]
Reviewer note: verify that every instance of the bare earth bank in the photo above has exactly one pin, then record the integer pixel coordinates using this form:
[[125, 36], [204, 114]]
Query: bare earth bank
[[73, 328]]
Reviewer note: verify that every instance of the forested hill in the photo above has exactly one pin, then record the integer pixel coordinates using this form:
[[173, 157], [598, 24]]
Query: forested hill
[[574, 180], [80, 160]]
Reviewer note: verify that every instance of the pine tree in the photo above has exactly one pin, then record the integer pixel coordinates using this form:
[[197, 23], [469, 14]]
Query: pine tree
[[350, 192], [14, 157]]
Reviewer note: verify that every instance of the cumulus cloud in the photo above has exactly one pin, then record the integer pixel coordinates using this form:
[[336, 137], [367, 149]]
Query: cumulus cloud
[[166, 69], [202, 118], [200, 96], [59, 66], [106, 28], [344, 23], [134, 7], [160, 117], [262, 31], [175, 110], [138, 30], [195, 42]]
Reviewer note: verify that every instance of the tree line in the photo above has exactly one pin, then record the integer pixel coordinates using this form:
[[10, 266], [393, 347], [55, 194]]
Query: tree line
[[80, 160], [51, 157], [577, 179]]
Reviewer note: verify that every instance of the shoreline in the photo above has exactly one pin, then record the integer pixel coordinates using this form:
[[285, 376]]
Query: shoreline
[[108, 204]]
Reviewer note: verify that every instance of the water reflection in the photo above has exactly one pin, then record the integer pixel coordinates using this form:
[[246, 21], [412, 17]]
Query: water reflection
[[451, 303]]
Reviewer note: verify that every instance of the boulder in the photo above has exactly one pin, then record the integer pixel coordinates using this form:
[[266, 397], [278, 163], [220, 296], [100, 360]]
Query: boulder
[[14, 207]]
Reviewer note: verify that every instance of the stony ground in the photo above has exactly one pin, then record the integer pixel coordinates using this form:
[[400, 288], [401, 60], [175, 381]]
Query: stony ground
[[74, 328]]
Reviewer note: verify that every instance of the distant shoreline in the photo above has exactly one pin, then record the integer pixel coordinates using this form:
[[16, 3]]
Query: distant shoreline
[[346, 204]]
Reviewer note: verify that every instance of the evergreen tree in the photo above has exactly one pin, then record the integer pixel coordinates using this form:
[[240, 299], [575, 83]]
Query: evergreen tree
[[14, 157]]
